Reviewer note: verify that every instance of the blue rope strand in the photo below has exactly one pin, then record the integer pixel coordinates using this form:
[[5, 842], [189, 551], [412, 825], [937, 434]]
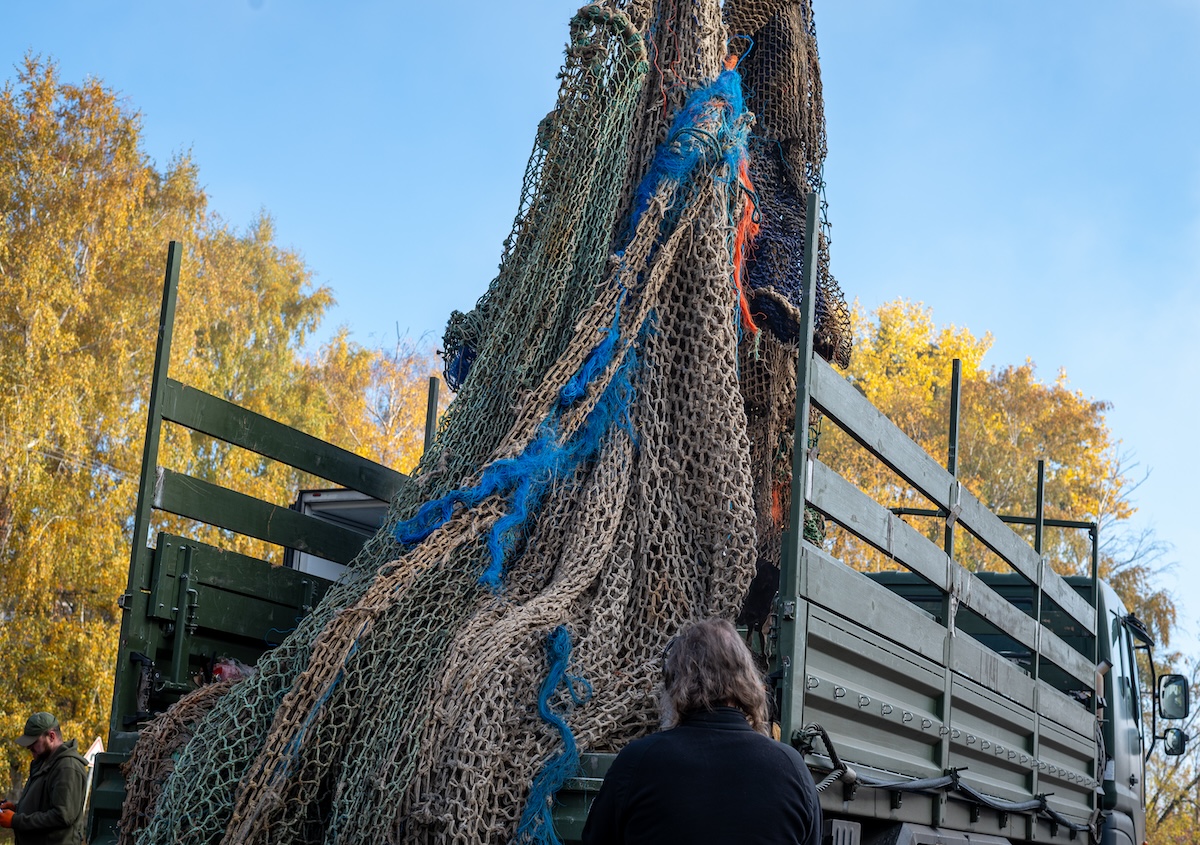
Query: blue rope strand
[[293, 748], [525, 480], [708, 130], [537, 825], [718, 106], [597, 361]]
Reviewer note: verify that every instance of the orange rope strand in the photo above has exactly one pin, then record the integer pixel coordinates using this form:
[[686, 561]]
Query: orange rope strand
[[747, 229]]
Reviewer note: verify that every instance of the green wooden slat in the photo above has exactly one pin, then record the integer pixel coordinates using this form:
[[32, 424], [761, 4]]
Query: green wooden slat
[[854, 413], [977, 596], [866, 519], [838, 588], [862, 516], [1061, 654], [975, 660], [222, 570], [225, 421], [264, 584], [195, 499], [998, 537], [235, 616], [240, 573], [1078, 722], [243, 616]]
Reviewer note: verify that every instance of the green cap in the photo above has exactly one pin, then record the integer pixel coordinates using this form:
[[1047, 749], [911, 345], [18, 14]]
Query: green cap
[[35, 726]]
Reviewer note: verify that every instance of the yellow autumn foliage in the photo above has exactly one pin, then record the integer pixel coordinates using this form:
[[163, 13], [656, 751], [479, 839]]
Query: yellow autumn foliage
[[83, 235], [1009, 419]]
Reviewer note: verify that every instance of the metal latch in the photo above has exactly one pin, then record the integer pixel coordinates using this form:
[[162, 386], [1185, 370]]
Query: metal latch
[[186, 601]]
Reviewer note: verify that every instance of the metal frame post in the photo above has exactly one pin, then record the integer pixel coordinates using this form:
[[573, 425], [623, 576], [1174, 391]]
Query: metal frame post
[[793, 613], [134, 603], [952, 444], [431, 412]]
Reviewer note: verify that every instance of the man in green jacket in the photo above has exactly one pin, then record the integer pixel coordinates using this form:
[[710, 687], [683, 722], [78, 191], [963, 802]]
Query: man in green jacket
[[50, 810]]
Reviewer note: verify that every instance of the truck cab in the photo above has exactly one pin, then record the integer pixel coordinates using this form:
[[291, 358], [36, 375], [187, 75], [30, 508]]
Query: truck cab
[[1122, 721]]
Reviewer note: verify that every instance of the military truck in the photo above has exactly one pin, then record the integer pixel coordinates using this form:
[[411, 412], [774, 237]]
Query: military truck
[[933, 704]]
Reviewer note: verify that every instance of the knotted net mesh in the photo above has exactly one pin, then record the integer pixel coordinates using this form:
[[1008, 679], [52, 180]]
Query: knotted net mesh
[[615, 464]]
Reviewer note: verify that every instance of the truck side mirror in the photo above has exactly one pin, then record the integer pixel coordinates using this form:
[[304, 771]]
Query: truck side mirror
[[1173, 697], [1174, 742]]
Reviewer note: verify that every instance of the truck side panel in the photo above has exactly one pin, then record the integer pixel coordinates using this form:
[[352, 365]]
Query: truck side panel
[[895, 690]]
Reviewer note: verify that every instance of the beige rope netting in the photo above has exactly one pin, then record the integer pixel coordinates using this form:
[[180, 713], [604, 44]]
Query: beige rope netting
[[615, 463]]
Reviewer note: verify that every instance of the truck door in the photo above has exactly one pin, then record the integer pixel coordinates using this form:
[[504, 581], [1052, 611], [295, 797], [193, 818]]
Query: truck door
[[1125, 777]]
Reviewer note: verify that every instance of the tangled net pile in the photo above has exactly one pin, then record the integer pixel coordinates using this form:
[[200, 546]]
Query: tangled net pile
[[616, 463]]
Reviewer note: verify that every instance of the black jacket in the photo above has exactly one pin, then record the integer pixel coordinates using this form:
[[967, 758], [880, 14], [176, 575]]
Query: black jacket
[[710, 781], [50, 811]]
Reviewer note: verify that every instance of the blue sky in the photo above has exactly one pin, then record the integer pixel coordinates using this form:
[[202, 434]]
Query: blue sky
[[1026, 169]]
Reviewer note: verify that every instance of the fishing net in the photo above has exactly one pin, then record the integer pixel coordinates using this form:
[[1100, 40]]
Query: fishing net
[[615, 464], [153, 758]]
